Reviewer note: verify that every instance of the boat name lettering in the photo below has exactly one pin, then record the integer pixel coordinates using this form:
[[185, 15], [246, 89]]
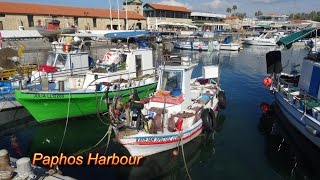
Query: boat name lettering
[[49, 96], [156, 139]]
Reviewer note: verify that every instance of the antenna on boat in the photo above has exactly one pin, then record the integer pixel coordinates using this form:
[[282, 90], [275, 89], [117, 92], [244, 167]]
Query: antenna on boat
[[315, 41], [110, 15], [126, 14], [118, 15]]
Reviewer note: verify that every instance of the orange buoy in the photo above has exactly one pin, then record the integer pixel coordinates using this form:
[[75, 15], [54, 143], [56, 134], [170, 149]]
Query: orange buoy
[[179, 124], [265, 107], [175, 152], [267, 81]]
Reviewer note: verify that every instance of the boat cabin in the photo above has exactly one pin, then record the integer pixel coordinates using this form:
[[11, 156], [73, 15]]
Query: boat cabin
[[63, 64], [173, 89], [123, 65]]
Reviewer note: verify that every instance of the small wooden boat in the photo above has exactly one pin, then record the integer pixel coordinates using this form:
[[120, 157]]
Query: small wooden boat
[[52, 28], [228, 45], [176, 114]]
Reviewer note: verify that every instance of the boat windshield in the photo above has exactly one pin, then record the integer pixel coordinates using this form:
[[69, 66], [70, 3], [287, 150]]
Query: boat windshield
[[171, 80], [57, 60]]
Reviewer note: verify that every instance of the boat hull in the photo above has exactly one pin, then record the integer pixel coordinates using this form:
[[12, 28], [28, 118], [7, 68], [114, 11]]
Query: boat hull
[[55, 32], [296, 117], [45, 106], [229, 47], [259, 43], [144, 144]]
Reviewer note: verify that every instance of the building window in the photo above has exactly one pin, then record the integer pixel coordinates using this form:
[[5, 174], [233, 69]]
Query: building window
[[2, 15], [94, 22], [75, 19], [30, 21]]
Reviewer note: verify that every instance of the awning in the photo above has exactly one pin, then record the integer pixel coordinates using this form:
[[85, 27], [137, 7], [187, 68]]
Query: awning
[[264, 26], [288, 40]]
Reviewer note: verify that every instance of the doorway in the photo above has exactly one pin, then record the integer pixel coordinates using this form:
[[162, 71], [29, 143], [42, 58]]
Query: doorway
[[1, 25], [139, 26], [138, 65]]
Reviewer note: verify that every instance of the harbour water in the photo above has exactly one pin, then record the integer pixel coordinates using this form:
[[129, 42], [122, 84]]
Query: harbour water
[[248, 143]]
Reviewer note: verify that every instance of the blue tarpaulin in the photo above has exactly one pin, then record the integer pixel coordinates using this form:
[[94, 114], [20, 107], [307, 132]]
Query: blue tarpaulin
[[314, 82], [127, 34], [227, 40]]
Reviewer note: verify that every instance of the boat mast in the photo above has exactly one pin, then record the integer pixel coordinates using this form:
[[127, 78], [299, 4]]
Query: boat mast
[[110, 15], [118, 15], [126, 14], [315, 41]]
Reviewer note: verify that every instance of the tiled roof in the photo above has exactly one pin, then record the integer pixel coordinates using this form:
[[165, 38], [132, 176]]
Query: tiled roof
[[168, 8], [39, 9], [231, 17]]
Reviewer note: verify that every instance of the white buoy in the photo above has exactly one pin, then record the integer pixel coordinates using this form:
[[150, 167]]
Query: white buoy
[[24, 167], [4, 158]]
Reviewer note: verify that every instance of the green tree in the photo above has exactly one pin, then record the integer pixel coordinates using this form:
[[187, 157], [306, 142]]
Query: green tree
[[228, 10], [234, 7], [258, 13]]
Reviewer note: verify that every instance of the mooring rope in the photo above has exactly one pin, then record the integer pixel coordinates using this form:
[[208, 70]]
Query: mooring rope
[[66, 125], [109, 132], [97, 110], [182, 150]]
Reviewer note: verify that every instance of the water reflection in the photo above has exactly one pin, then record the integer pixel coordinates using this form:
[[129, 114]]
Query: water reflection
[[167, 166], [289, 153]]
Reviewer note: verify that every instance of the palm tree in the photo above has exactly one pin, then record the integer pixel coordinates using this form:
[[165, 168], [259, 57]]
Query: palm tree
[[258, 13], [234, 7], [228, 10]]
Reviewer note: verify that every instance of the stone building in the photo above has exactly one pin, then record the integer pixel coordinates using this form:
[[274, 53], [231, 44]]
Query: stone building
[[235, 23], [27, 16], [208, 21], [159, 13], [133, 5]]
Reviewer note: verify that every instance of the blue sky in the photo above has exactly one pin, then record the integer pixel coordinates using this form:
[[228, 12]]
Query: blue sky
[[213, 6]]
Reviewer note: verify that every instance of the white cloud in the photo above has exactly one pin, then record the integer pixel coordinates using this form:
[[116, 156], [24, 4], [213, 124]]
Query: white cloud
[[264, 1], [214, 4], [174, 3]]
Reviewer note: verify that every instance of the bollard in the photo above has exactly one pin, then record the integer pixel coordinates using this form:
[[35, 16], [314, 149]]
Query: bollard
[[6, 171], [44, 83], [24, 167], [20, 85], [61, 86]]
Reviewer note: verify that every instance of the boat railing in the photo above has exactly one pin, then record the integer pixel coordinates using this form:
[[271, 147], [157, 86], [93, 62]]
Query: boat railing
[[121, 74], [307, 103], [176, 61]]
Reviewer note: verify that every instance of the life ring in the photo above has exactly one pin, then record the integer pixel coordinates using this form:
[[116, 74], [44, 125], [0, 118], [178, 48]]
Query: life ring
[[222, 101], [209, 120], [107, 56]]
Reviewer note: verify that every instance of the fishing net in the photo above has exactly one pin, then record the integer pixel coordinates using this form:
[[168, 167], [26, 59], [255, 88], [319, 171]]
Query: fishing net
[[5, 55]]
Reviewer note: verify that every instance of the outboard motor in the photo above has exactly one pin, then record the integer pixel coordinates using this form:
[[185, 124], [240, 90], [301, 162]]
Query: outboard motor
[[136, 108], [274, 64]]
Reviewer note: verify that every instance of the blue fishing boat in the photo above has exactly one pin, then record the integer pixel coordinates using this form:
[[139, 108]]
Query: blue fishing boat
[[297, 93]]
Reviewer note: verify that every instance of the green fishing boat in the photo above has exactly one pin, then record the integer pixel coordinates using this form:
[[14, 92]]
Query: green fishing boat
[[58, 96], [45, 106]]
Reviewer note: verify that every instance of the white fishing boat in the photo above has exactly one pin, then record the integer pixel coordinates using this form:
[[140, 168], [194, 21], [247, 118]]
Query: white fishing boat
[[265, 39], [297, 94], [197, 45], [227, 45], [174, 115], [313, 44]]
